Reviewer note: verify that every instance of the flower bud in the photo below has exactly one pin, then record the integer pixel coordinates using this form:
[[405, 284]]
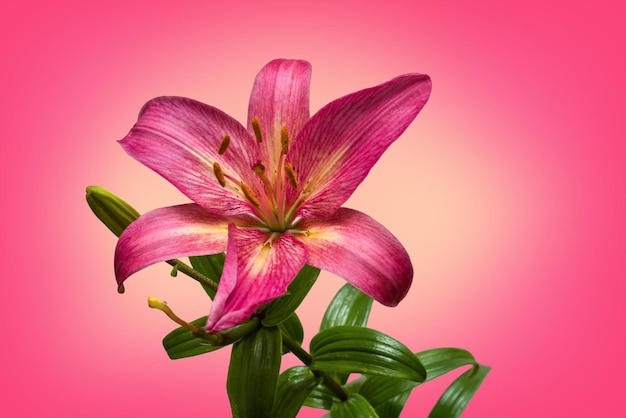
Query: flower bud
[[110, 209]]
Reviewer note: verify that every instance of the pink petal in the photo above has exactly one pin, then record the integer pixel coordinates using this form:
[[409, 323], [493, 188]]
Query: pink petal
[[280, 97], [167, 233], [339, 145], [352, 245], [254, 274], [179, 138]]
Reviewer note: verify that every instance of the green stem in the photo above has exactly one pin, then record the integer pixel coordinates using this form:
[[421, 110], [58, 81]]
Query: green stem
[[306, 358], [194, 274]]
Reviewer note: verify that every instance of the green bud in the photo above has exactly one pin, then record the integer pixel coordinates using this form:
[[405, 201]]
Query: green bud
[[110, 209]]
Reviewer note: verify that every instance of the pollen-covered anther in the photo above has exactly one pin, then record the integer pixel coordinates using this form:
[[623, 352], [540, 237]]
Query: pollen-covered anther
[[259, 167], [249, 194], [256, 127], [291, 175], [224, 144], [284, 140], [219, 174]]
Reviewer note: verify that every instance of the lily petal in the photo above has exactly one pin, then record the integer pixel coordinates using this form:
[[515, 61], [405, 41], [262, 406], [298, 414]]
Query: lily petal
[[280, 98], [167, 233], [180, 138], [254, 274], [339, 145], [352, 245]]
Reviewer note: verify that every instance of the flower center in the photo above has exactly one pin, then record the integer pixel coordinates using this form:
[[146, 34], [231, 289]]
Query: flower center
[[276, 195]]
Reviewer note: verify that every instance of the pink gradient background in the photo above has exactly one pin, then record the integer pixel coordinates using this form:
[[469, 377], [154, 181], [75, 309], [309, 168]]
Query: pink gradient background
[[507, 190]]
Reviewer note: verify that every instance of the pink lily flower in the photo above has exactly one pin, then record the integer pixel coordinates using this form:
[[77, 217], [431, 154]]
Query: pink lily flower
[[271, 195]]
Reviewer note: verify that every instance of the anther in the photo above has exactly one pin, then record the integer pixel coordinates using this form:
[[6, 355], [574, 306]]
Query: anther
[[291, 174], [249, 195], [224, 144], [256, 126], [259, 167], [284, 140], [219, 174]]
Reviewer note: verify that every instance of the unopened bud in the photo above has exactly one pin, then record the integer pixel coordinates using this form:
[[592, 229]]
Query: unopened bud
[[110, 209]]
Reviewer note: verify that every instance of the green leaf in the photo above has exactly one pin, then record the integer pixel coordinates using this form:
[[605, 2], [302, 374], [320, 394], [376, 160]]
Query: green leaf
[[211, 266], [381, 389], [293, 328], [350, 306], [253, 373], [355, 407], [387, 395], [294, 385], [321, 398], [350, 349], [439, 361], [391, 408], [182, 343], [456, 397], [280, 309]]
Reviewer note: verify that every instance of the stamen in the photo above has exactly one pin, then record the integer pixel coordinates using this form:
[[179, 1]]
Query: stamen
[[259, 167], [249, 195], [256, 126], [291, 174], [224, 144], [219, 174], [284, 140]]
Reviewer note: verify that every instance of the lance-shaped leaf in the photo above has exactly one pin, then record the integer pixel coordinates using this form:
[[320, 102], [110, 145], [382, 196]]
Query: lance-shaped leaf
[[292, 327], [253, 373], [355, 407], [294, 385], [391, 408], [456, 397], [349, 349], [388, 395], [321, 398], [211, 266], [182, 343], [439, 361], [350, 306], [381, 389], [280, 309]]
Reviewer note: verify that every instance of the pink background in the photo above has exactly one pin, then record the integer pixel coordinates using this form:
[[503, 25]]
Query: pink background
[[507, 190]]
